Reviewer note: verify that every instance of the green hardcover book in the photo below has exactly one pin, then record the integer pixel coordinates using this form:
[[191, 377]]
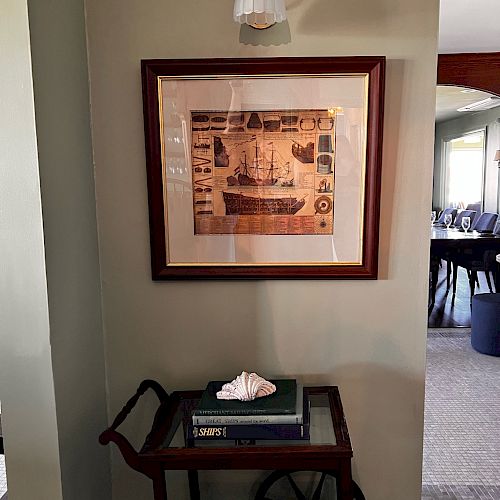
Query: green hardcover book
[[281, 402]]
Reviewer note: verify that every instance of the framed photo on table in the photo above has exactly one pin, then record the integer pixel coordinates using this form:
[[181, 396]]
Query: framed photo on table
[[264, 168]]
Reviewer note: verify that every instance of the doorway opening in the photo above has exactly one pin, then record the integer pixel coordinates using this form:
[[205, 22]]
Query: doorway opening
[[466, 178], [461, 428]]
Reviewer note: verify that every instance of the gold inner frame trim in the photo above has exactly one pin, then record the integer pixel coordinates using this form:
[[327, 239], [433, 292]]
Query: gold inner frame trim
[[161, 79]]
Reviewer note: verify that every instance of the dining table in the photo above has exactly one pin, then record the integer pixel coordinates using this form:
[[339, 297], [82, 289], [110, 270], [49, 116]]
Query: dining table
[[448, 242]]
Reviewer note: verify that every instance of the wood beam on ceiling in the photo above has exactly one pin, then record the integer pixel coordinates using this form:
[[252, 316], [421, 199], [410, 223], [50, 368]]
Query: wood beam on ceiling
[[474, 70]]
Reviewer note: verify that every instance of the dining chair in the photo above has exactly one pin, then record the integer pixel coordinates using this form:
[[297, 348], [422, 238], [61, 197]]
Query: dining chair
[[474, 206], [465, 213], [448, 255], [474, 262], [444, 213], [485, 223]]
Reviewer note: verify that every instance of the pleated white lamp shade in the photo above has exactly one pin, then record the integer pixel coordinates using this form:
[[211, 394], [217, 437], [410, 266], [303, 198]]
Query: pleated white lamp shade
[[259, 14]]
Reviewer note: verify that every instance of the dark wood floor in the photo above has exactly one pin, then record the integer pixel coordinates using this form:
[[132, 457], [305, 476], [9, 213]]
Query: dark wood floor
[[449, 313]]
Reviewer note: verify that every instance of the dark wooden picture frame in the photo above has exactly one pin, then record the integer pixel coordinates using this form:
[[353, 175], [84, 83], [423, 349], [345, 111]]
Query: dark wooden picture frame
[[373, 67]]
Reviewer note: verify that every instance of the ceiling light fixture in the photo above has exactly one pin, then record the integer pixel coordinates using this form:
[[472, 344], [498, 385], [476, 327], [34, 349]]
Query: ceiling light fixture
[[488, 103], [259, 14]]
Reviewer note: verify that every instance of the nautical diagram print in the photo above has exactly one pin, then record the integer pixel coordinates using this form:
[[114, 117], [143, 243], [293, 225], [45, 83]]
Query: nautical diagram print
[[263, 172]]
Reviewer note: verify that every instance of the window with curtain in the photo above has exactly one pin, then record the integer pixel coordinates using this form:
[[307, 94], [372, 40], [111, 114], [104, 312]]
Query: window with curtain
[[465, 169]]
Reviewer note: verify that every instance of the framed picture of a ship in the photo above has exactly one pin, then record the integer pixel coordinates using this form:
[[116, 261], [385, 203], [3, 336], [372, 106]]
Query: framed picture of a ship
[[264, 168]]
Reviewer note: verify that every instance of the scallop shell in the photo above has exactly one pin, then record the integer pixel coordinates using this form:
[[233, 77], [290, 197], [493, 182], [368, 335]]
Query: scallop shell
[[246, 387]]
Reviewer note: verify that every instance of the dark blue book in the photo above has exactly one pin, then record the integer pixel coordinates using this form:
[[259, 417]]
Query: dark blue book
[[282, 402], [247, 432]]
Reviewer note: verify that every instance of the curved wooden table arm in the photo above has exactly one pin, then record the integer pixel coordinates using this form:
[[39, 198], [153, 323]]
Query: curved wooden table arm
[[130, 455], [143, 387], [127, 450]]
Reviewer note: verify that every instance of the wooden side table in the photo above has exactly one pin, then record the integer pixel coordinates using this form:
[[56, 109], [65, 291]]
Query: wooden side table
[[166, 447]]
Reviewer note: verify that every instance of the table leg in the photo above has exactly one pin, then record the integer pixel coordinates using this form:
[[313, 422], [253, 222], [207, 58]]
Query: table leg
[[344, 482], [448, 274], [472, 284], [434, 271], [434, 280], [455, 276], [488, 280], [159, 486], [194, 485]]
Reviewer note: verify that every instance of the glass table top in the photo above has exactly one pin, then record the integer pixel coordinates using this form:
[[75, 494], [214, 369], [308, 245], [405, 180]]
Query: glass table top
[[321, 428]]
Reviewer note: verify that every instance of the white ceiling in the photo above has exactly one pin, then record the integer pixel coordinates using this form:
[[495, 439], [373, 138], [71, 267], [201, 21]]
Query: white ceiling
[[469, 26], [449, 99]]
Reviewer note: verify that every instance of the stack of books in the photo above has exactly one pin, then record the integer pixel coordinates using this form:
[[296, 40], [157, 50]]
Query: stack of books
[[282, 415]]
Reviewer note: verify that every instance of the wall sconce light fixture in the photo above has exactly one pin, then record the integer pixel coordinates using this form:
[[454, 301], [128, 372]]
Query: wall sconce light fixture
[[259, 14], [497, 157]]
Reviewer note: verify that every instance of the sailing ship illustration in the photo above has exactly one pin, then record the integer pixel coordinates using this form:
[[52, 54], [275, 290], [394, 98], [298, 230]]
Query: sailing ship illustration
[[262, 171], [240, 204]]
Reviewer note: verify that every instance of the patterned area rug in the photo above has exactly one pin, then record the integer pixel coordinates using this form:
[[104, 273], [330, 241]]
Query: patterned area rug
[[462, 419]]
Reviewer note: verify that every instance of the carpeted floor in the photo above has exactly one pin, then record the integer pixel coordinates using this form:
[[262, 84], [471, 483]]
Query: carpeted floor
[[462, 420]]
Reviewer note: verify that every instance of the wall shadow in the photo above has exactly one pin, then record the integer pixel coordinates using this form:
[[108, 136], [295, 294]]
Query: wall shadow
[[390, 153], [279, 34]]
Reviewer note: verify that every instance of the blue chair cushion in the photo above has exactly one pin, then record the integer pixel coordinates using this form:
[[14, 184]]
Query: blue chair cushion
[[452, 211], [461, 215], [485, 321], [485, 223]]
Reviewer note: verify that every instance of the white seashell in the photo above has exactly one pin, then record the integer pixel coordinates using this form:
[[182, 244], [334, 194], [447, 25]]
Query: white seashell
[[246, 387]]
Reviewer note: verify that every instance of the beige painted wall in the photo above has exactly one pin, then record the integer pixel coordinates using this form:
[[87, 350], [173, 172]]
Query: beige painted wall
[[52, 382], [29, 423], [367, 337], [60, 76]]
